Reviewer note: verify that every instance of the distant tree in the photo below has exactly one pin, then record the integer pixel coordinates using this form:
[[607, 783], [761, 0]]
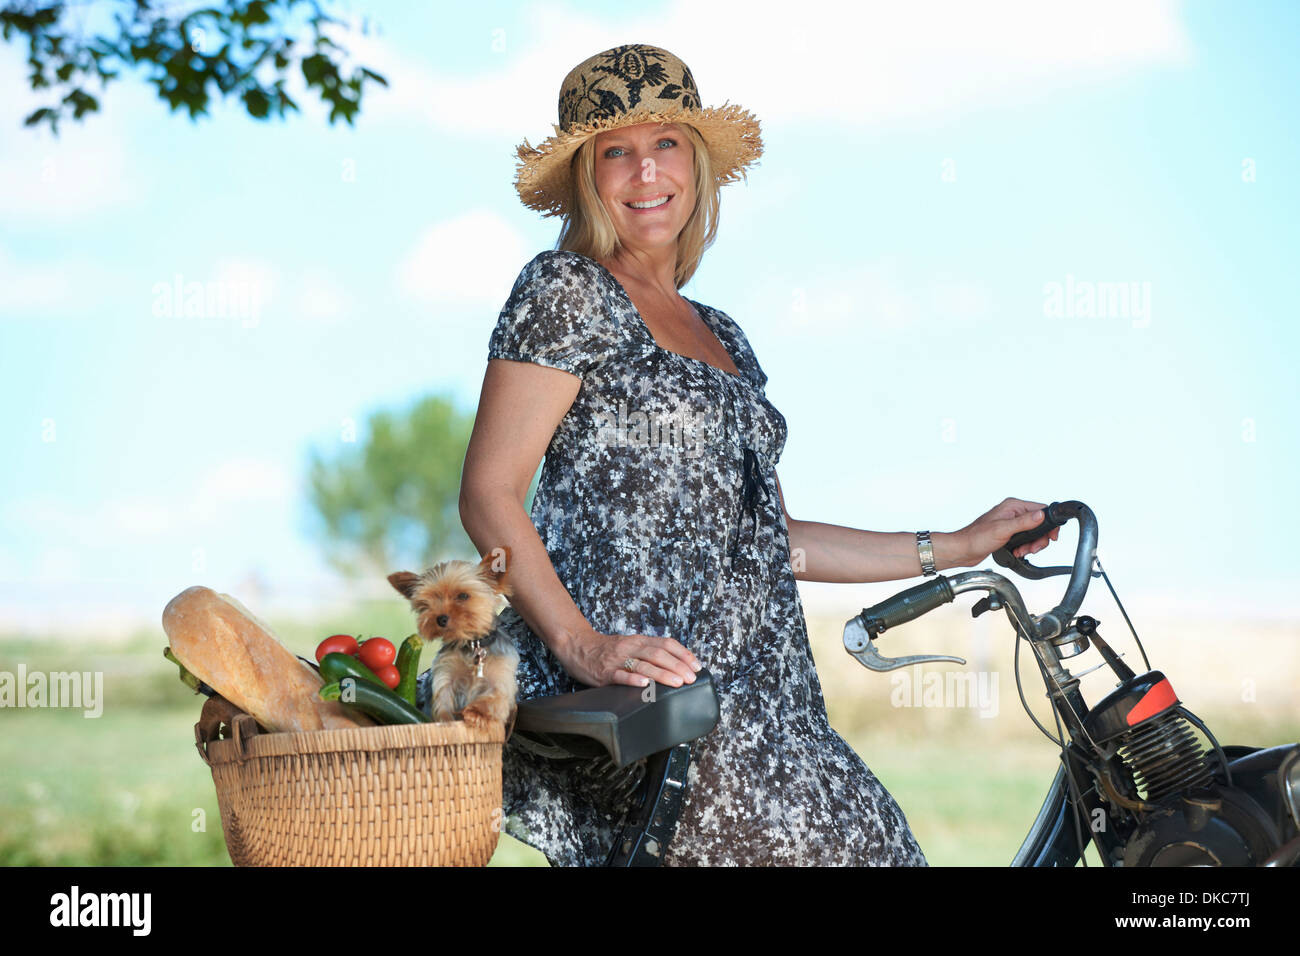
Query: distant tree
[[393, 501], [228, 48]]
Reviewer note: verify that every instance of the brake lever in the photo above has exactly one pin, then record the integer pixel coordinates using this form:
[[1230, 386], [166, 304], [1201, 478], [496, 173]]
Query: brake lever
[[1007, 559], [857, 641]]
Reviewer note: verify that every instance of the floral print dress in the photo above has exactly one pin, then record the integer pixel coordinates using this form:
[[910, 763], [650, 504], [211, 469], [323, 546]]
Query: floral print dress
[[658, 506]]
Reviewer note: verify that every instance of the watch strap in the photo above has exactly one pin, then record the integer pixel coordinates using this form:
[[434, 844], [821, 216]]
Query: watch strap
[[925, 550]]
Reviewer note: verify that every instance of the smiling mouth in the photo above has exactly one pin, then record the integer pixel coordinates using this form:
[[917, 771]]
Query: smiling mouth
[[660, 204]]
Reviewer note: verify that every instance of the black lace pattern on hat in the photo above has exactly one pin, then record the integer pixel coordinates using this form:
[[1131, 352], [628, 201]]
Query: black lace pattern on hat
[[616, 85]]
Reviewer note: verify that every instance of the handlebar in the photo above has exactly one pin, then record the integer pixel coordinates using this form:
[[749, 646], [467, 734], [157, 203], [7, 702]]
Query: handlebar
[[907, 605], [1054, 515], [910, 604]]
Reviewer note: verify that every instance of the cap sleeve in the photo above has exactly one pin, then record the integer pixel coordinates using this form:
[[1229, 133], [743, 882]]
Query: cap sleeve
[[556, 315], [757, 375], [738, 345]]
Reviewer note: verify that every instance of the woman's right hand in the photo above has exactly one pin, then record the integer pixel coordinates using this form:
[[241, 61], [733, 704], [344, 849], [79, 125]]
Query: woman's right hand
[[597, 659]]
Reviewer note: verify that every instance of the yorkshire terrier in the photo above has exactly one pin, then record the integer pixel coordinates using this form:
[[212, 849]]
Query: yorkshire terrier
[[474, 670]]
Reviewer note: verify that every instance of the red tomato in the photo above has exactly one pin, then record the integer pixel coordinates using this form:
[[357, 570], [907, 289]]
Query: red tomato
[[377, 652], [339, 643], [389, 675]]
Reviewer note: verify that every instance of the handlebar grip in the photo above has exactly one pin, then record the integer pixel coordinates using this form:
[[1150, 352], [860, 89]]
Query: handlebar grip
[[906, 605], [1054, 515]]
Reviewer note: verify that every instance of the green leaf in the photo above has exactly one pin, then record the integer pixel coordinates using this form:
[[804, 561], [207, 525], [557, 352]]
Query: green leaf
[[257, 103], [82, 103], [314, 68], [256, 13], [152, 33]]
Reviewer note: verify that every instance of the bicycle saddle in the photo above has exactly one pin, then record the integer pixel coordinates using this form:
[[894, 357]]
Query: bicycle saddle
[[626, 722]]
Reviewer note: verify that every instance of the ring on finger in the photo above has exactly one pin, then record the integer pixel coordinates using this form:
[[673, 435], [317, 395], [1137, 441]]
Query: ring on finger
[[630, 665]]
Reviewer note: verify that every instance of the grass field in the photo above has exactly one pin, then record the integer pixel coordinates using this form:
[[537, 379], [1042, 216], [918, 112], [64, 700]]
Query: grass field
[[128, 788]]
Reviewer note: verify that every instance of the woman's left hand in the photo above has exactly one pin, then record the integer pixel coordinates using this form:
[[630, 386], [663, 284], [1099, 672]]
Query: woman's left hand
[[995, 527]]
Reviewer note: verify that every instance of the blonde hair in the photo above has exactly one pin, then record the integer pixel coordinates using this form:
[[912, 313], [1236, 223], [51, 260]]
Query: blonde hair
[[589, 231]]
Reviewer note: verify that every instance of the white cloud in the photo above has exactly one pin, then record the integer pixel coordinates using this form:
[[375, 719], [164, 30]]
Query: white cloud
[[514, 96], [825, 61], [859, 64], [56, 519], [259, 278], [320, 297], [138, 517], [873, 295], [311, 295], [827, 304], [246, 289], [238, 481], [58, 563], [41, 514], [959, 300], [472, 260], [83, 170], [24, 287], [230, 484]]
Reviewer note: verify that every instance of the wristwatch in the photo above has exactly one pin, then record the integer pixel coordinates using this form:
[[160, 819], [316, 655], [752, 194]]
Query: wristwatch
[[926, 552]]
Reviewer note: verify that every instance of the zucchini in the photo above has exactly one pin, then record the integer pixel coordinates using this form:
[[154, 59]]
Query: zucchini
[[408, 666], [188, 679], [335, 667], [379, 702]]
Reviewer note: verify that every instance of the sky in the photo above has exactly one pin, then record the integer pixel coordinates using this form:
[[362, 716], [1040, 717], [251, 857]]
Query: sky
[[928, 262]]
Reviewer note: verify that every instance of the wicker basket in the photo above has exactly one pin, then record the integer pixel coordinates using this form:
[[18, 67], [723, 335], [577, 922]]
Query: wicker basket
[[401, 795]]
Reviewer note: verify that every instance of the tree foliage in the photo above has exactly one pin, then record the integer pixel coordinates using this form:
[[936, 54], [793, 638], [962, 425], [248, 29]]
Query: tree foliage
[[241, 48], [392, 502]]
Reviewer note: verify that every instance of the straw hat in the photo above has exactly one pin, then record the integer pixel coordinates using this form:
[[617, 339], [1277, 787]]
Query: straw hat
[[625, 86]]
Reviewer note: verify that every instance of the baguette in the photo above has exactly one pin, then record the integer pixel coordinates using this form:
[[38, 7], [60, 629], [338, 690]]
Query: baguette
[[223, 644]]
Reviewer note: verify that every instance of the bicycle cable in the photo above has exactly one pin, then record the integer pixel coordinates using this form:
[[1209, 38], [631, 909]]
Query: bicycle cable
[[1024, 703], [1105, 577]]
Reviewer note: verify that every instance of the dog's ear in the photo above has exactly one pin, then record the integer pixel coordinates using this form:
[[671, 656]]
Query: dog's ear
[[404, 581], [494, 567]]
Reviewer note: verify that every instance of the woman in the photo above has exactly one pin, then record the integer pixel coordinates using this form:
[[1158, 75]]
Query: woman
[[659, 540]]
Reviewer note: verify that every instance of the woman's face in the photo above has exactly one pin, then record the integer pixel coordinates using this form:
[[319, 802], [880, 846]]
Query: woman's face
[[646, 163]]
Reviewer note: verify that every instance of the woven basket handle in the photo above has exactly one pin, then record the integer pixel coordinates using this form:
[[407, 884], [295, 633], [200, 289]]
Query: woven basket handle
[[216, 712], [243, 728]]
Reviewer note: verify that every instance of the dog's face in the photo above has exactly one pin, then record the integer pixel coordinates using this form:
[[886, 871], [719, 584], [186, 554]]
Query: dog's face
[[456, 600]]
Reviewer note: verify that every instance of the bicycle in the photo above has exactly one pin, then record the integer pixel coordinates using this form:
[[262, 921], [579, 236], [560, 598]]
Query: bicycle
[[1133, 778]]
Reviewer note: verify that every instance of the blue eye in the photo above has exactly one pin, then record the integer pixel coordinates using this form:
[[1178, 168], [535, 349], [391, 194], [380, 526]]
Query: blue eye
[[666, 139]]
